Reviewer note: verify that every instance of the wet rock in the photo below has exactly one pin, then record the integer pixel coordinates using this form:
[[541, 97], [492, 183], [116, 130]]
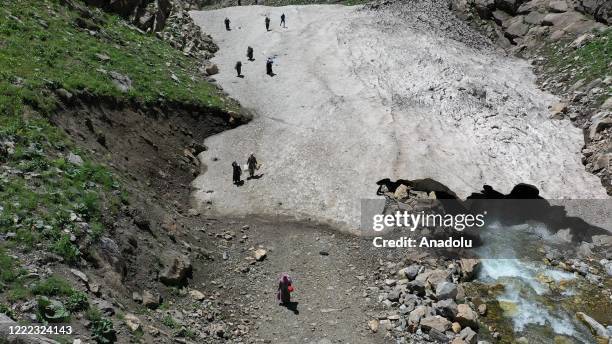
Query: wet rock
[[596, 328], [176, 269]]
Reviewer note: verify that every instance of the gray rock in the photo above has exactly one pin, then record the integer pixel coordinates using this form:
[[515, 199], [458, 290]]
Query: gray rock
[[446, 308], [150, 300], [75, 159], [435, 322], [394, 295], [122, 82], [176, 269], [410, 272], [446, 290], [596, 328], [468, 335], [558, 6]]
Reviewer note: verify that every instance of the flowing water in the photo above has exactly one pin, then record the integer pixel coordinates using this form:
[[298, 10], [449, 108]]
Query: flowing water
[[534, 295]]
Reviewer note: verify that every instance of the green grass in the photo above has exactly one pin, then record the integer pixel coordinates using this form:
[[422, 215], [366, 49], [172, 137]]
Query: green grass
[[47, 200], [53, 286], [590, 61], [62, 55]]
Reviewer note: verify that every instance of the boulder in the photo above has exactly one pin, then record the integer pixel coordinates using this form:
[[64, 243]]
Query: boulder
[[121, 81], [509, 6], [485, 8], [466, 316], [517, 27], [197, 295], [435, 322], [260, 254], [417, 314], [469, 268], [446, 290], [75, 159], [401, 193], [132, 322], [558, 6], [468, 336], [601, 10], [534, 18], [410, 272], [150, 300], [446, 308], [599, 123], [176, 269], [601, 162], [212, 69]]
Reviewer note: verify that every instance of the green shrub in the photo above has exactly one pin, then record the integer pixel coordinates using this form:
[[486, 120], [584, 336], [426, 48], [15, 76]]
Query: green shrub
[[77, 302], [103, 332]]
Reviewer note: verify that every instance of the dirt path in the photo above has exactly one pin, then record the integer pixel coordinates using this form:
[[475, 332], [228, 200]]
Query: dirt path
[[362, 95], [331, 307]]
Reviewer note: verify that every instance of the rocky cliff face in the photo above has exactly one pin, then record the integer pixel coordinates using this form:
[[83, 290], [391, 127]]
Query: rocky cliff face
[[568, 42], [169, 19]]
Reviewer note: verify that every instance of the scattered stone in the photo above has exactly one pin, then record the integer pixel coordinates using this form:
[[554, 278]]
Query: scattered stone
[[373, 325], [132, 322], [150, 300], [466, 316], [260, 254], [197, 295], [446, 290], [176, 269], [436, 322], [212, 69], [75, 159]]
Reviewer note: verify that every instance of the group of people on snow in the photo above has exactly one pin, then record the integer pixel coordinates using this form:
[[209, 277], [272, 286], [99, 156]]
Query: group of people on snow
[[269, 60], [252, 165]]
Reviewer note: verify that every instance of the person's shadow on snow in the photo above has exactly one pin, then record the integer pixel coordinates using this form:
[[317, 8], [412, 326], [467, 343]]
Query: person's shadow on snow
[[257, 176], [292, 306]]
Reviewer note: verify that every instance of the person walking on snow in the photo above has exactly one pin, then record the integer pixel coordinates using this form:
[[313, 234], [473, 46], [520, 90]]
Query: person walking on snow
[[252, 164], [267, 23], [282, 23], [227, 24], [250, 53], [284, 290], [269, 63], [237, 172], [239, 68]]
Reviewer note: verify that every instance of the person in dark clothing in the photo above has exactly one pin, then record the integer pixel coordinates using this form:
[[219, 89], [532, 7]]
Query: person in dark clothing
[[250, 53], [239, 3], [282, 23], [267, 23], [227, 24], [252, 164], [237, 172], [269, 63], [239, 68]]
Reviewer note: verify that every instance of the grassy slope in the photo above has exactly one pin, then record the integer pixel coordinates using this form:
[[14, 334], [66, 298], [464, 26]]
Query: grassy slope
[[46, 202], [588, 62]]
